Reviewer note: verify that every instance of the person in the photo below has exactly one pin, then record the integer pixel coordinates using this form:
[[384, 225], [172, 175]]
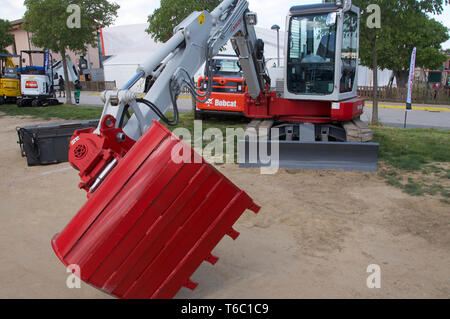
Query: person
[[436, 87], [61, 86], [77, 91]]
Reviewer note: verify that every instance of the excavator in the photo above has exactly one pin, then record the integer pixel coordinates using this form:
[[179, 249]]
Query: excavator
[[37, 82], [229, 90], [156, 209], [9, 79]]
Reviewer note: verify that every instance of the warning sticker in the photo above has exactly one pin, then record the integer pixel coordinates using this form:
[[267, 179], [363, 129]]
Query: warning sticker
[[72, 142], [201, 18]]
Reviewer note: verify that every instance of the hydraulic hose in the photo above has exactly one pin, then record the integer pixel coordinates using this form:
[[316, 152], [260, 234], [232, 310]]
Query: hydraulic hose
[[154, 108]]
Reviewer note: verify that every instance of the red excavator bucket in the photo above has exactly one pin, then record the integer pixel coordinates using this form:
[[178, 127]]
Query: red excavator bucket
[[152, 221]]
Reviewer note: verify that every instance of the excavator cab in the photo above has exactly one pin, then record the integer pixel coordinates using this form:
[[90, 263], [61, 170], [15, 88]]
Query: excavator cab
[[321, 52]]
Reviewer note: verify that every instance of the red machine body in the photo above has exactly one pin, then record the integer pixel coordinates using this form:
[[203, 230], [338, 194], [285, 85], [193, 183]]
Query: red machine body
[[228, 94], [152, 221], [90, 153], [270, 106]]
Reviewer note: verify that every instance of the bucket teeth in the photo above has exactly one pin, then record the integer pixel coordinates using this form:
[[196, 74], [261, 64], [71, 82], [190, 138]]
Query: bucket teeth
[[233, 233], [191, 285], [212, 259], [255, 208]]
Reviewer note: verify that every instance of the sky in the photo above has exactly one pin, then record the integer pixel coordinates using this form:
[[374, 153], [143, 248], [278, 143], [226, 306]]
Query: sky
[[269, 12]]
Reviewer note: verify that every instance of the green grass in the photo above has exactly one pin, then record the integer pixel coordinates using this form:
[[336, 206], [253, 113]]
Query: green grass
[[221, 123], [187, 121], [408, 155], [65, 112], [411, 149]]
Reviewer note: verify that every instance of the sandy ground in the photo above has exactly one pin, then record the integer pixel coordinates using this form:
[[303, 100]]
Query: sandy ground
[[315, 236]]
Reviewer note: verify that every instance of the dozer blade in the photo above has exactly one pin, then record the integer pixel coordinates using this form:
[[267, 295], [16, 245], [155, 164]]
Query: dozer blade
[[152, 221], [346, 156]]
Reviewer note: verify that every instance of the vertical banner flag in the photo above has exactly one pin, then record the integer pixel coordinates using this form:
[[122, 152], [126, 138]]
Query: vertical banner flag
[[411, 80], [46, 60]]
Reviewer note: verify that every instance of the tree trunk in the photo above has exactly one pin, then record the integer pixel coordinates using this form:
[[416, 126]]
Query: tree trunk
[[66, 79], [402, 78], [375, 84]]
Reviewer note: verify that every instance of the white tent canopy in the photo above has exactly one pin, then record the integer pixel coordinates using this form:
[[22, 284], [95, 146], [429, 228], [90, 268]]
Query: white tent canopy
[[130, 46], [128, 39], [122, 67], [365, 77]]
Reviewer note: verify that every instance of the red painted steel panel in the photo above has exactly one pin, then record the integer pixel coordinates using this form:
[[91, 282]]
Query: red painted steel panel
[[152, 221], [219, 101], [225, 101], [348, 109], [302, 110]]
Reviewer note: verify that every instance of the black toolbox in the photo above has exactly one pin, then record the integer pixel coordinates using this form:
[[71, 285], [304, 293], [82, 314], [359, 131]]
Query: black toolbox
[[49, 143]]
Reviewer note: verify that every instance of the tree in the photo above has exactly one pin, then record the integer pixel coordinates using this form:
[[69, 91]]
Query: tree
[[400, 23], [63, 25], [173, 12], [420, 31], [6, 39]]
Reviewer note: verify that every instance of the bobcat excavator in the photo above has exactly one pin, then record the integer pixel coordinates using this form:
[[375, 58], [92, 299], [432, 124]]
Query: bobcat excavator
[[156, 209]]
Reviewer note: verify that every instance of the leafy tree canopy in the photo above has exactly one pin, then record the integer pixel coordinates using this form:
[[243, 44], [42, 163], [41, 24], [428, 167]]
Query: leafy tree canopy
[[6, 39], [173, 12], [55, 27], [47, 21], [404, 25]]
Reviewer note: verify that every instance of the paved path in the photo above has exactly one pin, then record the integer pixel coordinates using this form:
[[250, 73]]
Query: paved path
[[417, 118]]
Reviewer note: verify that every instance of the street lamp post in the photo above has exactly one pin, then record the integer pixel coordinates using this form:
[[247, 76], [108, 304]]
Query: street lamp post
[[277, 28]]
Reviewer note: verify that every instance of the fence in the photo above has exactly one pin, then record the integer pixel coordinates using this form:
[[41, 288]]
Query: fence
[[421, 95], [96, 86]]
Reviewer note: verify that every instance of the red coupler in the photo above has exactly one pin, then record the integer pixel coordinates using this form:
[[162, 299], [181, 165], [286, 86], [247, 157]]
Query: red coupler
[[152, 221]]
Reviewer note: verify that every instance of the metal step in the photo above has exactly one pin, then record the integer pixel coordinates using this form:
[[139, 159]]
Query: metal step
[[347, 156]]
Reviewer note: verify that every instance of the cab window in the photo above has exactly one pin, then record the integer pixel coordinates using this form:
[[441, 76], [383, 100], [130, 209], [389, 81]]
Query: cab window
[[349, 56], [311, 55]]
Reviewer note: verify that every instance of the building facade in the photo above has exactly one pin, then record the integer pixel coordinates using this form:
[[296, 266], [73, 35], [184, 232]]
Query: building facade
[[22, 41]]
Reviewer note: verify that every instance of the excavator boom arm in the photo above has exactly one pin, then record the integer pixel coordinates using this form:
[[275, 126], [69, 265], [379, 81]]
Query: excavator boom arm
[[195, 41]]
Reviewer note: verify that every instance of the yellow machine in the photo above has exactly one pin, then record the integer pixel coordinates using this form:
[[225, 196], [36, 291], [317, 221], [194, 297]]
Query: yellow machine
[[9, 79]]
